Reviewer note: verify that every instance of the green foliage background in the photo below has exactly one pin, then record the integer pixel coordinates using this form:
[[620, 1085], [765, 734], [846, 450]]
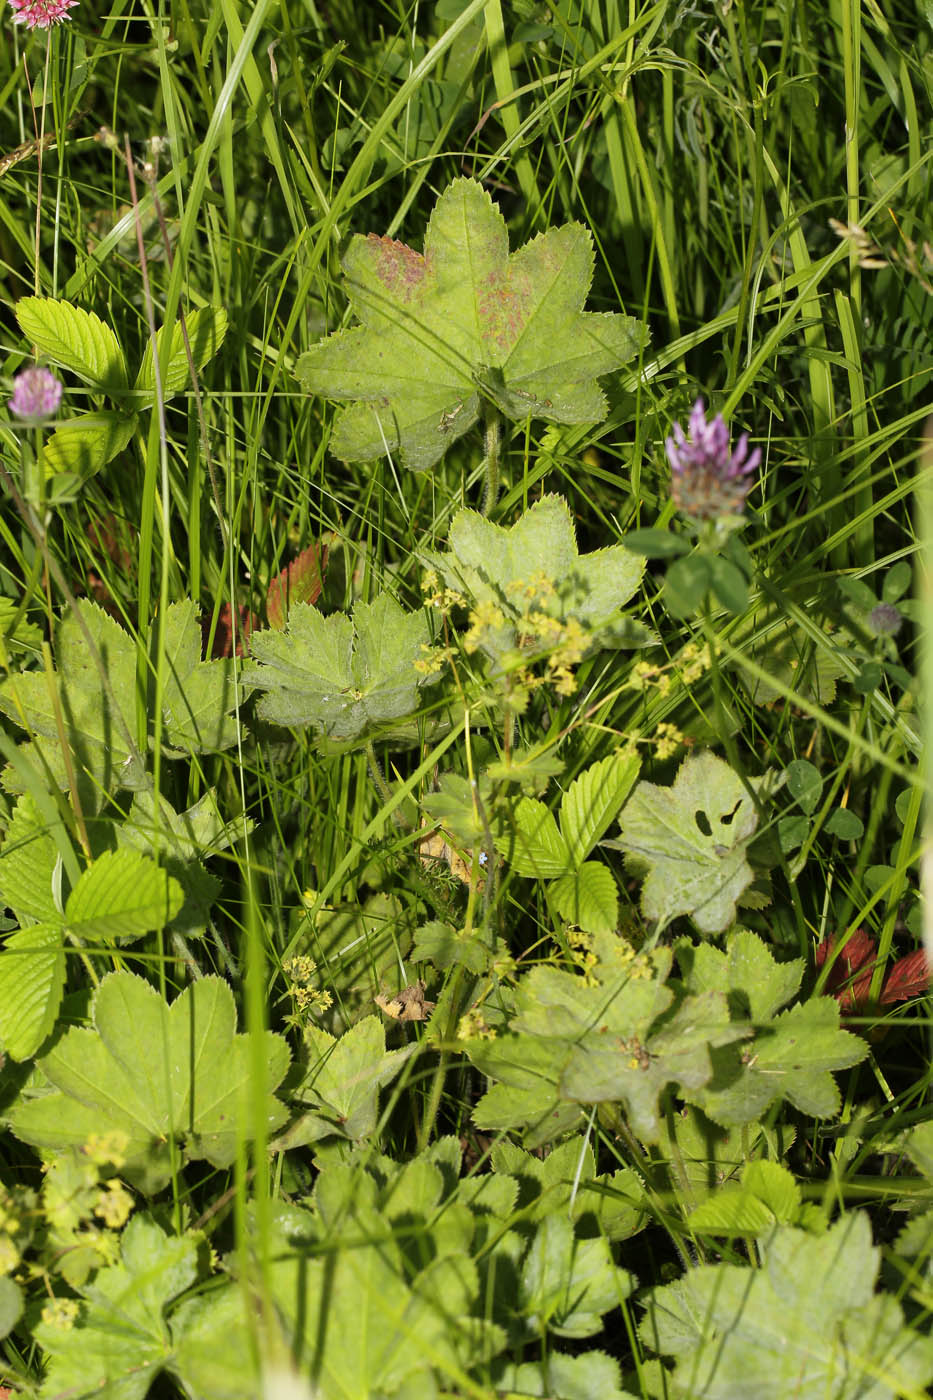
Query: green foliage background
[[558, 1104]]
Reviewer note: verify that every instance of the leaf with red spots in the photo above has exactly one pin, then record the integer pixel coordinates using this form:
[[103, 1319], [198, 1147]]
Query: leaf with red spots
[[466, 321], [300, 582]]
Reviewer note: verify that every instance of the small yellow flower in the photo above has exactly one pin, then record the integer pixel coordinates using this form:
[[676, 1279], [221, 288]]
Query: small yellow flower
[[473, 1026], [61, 1313], [107, 1149], [114, 1204]]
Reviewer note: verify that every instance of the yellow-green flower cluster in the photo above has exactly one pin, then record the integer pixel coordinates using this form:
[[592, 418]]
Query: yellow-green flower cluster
[[301, 972]]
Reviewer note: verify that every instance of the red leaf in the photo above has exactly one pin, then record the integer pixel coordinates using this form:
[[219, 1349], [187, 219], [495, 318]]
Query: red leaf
[[300, 582], [850, 975], [909, 977], [223, 635]]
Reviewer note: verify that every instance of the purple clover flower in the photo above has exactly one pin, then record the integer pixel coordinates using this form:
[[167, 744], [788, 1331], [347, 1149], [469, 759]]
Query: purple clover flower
[[707, 480], [36, 395], [40, 14], [885, 620]]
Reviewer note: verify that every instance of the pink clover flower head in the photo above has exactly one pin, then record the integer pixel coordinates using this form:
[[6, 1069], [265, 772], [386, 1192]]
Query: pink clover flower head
[[36, 395], [707, 480], [40, 14]]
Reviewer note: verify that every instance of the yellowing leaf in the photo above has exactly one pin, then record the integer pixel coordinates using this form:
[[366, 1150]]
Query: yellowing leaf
[[464, 322]]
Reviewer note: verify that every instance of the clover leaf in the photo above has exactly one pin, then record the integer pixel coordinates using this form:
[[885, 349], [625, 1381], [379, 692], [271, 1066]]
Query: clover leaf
[[154, 1072], [464, 322], [689, 840], [345, 676]]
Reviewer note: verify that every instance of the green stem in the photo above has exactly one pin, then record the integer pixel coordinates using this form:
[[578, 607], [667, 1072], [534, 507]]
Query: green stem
[[493, 423], [376, 773]]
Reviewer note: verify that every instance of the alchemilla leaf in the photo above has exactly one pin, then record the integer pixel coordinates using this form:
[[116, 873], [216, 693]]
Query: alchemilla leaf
[[691, 840], [153, 1072], [806, 1323], [100, 718], [122, 1340], [531, 591], [462, 322], [343, 675]]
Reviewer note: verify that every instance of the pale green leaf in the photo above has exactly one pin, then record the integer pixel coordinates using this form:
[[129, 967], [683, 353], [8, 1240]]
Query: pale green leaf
[[568, 1284], [587, 897], [535, 847], [792, 1058], [197, 695], [155, 1072], [32, 979], [806, 1323], [691, 838], [557, 1377], [463, 321], [344, 677], [88, 443], [342, 1082], [121, 1340], [76, 339], [533, 566], [593, 800], [99, 721], [768, 1194], [206, 330], [28, 858], [11, 1305], [121, 896], [746, 967]]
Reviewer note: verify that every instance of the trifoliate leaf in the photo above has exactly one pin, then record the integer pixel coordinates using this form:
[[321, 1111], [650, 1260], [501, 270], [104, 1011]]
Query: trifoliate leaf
[[767, 1195], [464, 322], [792, 1059], [181, 839], [805, 1323], [99, 717], [691, 838], [121, 896], [32, 979], [804, 783], [593, 799], [587, 897], [88, 443], [121, 1340], [535, 847], [206, 330], [154, 1072], [521, 578], [343, 676], [75, 339], [27, 866]]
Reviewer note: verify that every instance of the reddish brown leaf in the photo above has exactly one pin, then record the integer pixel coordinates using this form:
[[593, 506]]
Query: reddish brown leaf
[[223, 636], [909, 977], [850, 975], [300, 582]]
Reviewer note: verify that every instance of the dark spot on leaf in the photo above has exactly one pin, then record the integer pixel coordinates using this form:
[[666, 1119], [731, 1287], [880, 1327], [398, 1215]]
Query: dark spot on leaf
[[702, 821]]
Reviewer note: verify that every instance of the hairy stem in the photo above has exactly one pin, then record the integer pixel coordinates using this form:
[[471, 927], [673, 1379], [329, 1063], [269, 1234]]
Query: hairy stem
[[493, 423]]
